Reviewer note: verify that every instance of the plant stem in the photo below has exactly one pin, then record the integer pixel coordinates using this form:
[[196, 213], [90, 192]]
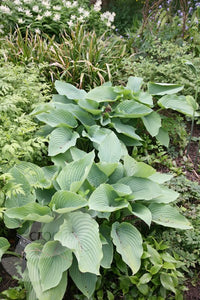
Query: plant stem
[[13, 253]]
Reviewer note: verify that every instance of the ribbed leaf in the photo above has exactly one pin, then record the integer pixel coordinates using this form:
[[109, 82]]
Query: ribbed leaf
[[61, 99], [4, 246], [60, 140], [142, 212], [102, 94], [107, 168], [144, 97], [152, 122], [107, 248], [74, 174], [96, 133], [167, 215], [160, 177], [122, 189], [134, 83], [163, 137], [128, 242], [96, 176], [53, 261], [125, 129], [105, 199], [167, 196], [90, 106], [137, 169], [69, 90], [65, 201], [132, 109], [163, 88], [80, 233], [85, 282], [110, 150], [57, 117], [178, 103]]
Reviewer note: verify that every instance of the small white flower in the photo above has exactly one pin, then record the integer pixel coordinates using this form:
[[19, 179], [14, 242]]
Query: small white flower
[[70, 23], [20, 21], [39, 17], [108, 24], [86, 14], [5, 9], [28, 13], [68, 4], [35, 8], [20, 9], [37, 30], [1, 31], [57, 7], [73, 17], [97, 5], [81, 10], [56, 17], [27, 1], [17, 2], [47, 14], [75, 3], [80, 18]]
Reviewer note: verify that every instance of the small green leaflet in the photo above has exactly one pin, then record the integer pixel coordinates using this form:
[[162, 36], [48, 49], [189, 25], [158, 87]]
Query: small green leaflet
[[4, 246]]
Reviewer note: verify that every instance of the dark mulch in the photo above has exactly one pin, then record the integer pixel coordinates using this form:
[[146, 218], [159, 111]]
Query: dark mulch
[[193, 292]]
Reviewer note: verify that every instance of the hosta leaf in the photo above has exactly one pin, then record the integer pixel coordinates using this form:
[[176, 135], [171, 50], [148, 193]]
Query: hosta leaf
[[160, 177], [167, 282], [69, 90], [83, 116], [110, 150], [53, 261], [61, 99], [163, 137], [74, 174], [128, 242], [107, 168], [163, 88], [60, 140], [122, 189], [152, 122], [105, 199], [125, 129], [65, 201], [167, 196], [102, 94], [58, 117], [31, 212], [137, 169], [44, 195], [50, 172], [107, 248], [90, 106], [77, 153], [142, 188], [96, 176], [12, 223], [142, 212], [4, 246], [192, 102], [61, 159], [134, 83], [96, 133], [85, 282], [80, 233], [132, 109], [144, 97], [117, 174], [169, 216]]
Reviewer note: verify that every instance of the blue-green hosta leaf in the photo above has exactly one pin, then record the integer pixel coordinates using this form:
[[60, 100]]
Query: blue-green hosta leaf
[[122, 189], [85, 282], [90, 106], [53, 262], [105, 199], [74, 174], [77, 153], [102, 94], [33, 252], [168, 216], [58, 117], [61, 99], [107, 247], [130, 142], [167, 196], [152, 122], [128, 242], [80, 233], [134, 83], [192, 102], [62, 159], [137, 169], [69, 90], [178, 103], [110, 150], [12, 223], [30, 212], [163, 137], [131, 109], [4, 246], [96, 176], [142, 188], [65, 201], [50, 229], [96, 133], [60, 140], [160, 177], [125, 129], [163, 88], [50, 172], [44, 196], [142, 212], [144, 97], [117, 174]]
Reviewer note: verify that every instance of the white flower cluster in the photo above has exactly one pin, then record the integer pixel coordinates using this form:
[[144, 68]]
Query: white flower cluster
[[108, 17], [5, 9], [97, 5]]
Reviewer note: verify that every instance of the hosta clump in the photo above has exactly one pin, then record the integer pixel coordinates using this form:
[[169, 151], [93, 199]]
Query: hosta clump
[[86, 207]]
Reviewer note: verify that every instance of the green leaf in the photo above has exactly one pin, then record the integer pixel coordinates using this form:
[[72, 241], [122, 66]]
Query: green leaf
[[167, 282], [102, 94], [60, 140], [80, 233], [105, 199], [155, 257], [137, 169], [30, 212], [191, 101], [167, 215], [107, 168], [167, 196], [163, 137], [107, 248], [122, 189], [145, 278], [125, 129], [155, 269], [128, 242], [163, 88], [152, 122], [142, 212], [69, 90], [74, 174], [96, 176], [131, 109], [58, 117], [53, 261], [143, 288], [144, 97], [4, 246], [85, 282], [160, 177], [96, 133], [134, 83], [61, 99], [90, 106], [65, 201], [110, 150]]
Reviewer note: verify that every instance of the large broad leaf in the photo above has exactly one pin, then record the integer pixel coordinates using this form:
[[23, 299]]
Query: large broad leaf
[[54, 260], [178, 103], [167, 196], [61, 99], [122, 189], [125, 129], [163, 137], [69, 90], [169, 216], [58, 117], [80, 233], [96, 176], [74, 174], [96, 133], [163, 88], [65, 201], [152, 122], [132, 109], [107, 247], [142, 188], [60, 140], [4, 246], [102, 94], [128, 242], [85, 282], [144, 97], [105, 199], [110, 150], [90, 106], [30, 212], [107, 168], [160, 177], [134, 83], [142, 212], [117, 174], [137, 169]]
